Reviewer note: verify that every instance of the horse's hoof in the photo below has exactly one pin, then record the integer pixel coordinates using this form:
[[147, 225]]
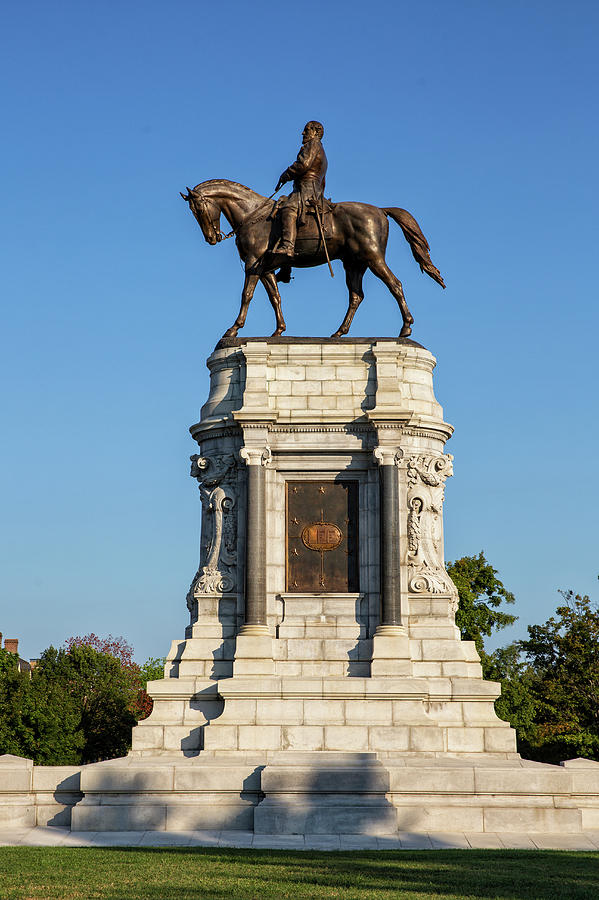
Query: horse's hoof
[[406, 331], [338, 334], [278, 331], [231, 332]]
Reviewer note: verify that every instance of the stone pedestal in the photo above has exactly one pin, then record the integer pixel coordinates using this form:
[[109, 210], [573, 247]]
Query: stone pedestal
[[310, 634], [321, 685]]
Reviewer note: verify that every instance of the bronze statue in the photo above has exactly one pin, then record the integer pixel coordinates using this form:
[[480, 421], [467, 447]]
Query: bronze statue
[[304, 230]]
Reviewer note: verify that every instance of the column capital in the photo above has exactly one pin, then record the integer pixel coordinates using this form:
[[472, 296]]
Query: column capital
[[388, 456], [256, 456]]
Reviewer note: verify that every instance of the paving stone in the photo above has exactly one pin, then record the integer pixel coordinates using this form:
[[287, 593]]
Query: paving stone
[[165, 839], [562, 842], [446, 840], [593, 836], [278, 841], [80, 839], [14, 836], [118, 838], [484, 841], [236, 839], [321, 842], [204, 838], [388, 843], [52, 837], [45, 837], [414, 841], [517, 841], [358, 842]]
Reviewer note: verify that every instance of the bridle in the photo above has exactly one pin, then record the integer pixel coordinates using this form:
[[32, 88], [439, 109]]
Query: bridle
[[202, 201]]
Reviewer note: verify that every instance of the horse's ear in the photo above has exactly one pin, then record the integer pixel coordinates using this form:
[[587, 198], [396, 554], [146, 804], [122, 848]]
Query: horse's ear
[[186, 198]]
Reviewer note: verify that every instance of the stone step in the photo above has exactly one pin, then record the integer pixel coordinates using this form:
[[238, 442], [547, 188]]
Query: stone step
[[314, 630], [428, 738], [322, 793], [322, 668], [322, 649], [304, 792]]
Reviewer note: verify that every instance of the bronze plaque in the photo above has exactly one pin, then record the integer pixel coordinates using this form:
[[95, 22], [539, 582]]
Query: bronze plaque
[[322, 536]]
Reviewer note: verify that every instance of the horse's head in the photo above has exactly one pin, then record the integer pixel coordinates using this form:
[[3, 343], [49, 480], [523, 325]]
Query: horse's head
[[206, 213]]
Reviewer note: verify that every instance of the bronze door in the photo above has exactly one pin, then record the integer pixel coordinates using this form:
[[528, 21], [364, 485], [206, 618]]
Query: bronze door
[[322, 536]]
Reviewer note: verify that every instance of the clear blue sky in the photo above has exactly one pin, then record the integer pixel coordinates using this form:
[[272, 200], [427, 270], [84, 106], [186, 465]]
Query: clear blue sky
[[478, 117]]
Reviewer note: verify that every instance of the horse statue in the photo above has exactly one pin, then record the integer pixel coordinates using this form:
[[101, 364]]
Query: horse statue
[[355, 233]]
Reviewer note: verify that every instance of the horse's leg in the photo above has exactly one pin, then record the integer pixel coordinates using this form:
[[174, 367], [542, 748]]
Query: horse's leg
[[249, 286], [353, 278], [270, 283], [379, 267]]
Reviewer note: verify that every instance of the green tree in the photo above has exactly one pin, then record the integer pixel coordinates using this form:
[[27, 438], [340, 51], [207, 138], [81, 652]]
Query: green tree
[[481, 594], [78, 706], [136, 677], [57, 733], [38, 719], [8, 661], [102, 691], [517, 704], [564, 657], [152, 669], [14, 705]]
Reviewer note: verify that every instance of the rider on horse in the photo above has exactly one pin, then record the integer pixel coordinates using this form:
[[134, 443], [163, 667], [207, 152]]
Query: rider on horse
[[359, 233], [308, 176]]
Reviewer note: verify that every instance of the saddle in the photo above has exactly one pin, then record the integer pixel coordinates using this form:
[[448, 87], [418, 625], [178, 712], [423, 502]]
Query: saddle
[[307, 223]]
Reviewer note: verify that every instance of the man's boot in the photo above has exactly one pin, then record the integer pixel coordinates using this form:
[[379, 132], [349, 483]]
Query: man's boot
[[284, 273], [286, 246]]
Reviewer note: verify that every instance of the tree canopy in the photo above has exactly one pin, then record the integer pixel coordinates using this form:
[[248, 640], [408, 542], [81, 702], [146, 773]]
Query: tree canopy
[[78, 705], [550, 682], [481, 594], [563, 664]]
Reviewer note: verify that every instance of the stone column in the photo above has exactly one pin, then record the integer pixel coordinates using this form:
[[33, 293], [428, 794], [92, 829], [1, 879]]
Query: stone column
[[253, 652], [387, 459], [390, 654], [255, 566]]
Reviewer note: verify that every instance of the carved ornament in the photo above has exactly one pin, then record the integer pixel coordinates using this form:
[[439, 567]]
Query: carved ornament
[[388, 456], [217, 477], [426, 477], [256, 456]]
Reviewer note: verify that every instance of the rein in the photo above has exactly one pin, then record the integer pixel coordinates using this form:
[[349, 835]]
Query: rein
[[250, 219]]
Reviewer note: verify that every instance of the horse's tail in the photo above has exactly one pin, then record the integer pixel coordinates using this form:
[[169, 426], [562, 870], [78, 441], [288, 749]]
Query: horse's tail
[[417, 241]]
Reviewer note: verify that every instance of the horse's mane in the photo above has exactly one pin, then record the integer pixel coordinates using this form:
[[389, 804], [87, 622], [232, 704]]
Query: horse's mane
[[214, 184]]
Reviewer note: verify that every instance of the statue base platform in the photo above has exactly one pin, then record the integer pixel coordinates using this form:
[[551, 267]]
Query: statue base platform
[[292, 792], [321, 685]]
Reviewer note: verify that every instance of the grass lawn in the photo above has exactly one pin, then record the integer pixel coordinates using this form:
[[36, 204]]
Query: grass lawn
[[64, 873]]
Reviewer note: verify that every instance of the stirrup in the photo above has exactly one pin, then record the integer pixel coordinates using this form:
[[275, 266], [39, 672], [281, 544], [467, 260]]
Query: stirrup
[[285, 248]]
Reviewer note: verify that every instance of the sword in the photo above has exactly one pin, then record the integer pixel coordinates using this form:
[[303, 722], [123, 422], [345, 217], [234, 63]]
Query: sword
[[321, 229]]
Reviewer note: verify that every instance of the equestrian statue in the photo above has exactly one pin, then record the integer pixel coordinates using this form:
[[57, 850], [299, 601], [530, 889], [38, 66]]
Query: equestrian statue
[[304, 230]]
